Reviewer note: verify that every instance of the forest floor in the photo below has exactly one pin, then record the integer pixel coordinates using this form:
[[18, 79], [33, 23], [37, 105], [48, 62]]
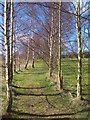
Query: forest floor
[[36, 96]]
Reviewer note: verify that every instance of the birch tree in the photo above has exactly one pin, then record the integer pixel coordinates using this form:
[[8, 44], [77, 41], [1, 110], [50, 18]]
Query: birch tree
[[8, 32], [60, 77], [28, 54], [14, 47], [51, 44], [19, 64], [33, 55], [78, 28], [11, 39], [7, 43]]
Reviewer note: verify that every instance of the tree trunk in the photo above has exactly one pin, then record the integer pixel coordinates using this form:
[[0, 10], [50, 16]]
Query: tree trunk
[[19, 66], [15, 67], [78, 27], [28, 55], [14, 45], [33, 50], [11, 40], [33, 60], [7, 43], [8, 54], [60, 76], [9, 108], [51, 46]]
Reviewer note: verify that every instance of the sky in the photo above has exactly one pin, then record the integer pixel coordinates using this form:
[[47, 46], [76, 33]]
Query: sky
[[1, 20]]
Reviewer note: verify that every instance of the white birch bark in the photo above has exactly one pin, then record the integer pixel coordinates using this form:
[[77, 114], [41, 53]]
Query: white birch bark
[[33, 54], [6, 47], [14, 47], [33, 50], [28, 54], [15, 66], [60, 77], [51, 45], [8, 52], [11, 41], [78, 28], [19, 66]]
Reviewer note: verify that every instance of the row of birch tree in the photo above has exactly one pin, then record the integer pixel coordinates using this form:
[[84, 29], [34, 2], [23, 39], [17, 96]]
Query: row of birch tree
[[10, 46]]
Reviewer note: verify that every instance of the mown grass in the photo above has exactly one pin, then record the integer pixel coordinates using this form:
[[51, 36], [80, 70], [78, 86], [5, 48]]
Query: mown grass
[[36, 81]]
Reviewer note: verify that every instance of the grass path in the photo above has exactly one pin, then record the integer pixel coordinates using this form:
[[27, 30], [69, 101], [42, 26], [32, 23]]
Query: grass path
[[36, 96]]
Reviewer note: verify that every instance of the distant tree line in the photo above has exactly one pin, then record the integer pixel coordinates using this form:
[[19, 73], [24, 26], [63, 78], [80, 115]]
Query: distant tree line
[[75, 55]]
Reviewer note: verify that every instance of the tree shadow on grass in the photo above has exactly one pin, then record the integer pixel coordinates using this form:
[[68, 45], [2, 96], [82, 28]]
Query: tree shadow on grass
[[65, 116], [15, 86], [34, 72], [35, 118], [17, 93], [49, 115]]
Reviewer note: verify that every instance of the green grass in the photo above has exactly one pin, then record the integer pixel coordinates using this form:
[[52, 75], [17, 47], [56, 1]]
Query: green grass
[[37, 79]]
